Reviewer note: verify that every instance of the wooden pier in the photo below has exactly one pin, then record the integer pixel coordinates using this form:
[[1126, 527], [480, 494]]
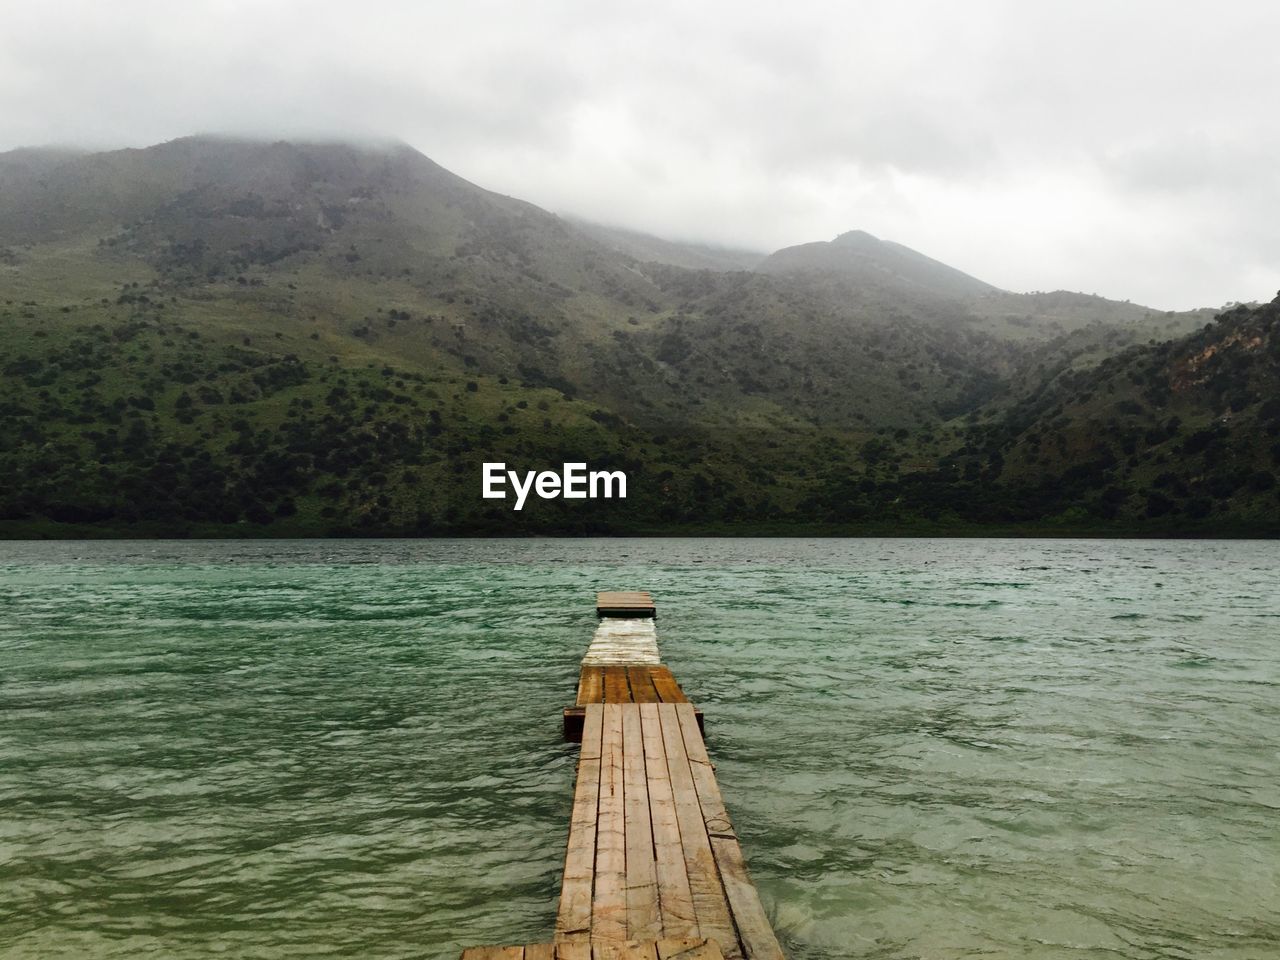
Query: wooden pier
[[625, 603], [653, 868]]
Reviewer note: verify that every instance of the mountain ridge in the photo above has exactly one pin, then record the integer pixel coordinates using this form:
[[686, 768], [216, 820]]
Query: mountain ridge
[[314, 337], [857, 255]]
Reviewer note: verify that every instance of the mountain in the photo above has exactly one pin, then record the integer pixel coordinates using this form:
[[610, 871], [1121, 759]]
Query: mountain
[[220, 335], [859, 258], [270, 231]]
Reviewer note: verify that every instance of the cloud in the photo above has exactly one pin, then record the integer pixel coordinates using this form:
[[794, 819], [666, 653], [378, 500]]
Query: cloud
[[1122, 149]]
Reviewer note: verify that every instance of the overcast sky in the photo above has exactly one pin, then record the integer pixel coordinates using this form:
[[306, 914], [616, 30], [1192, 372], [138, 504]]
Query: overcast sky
[[1126, 149]]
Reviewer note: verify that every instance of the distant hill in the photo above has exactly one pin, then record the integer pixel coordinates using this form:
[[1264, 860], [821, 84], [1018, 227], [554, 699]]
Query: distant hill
[[494, 285], [860, 258], [223, 335]]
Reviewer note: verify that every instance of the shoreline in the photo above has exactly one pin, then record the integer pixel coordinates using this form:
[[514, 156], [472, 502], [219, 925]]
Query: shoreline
[[43, 531]]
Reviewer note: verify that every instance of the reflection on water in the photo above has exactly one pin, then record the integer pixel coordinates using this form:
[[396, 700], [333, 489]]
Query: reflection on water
[[931, 748]]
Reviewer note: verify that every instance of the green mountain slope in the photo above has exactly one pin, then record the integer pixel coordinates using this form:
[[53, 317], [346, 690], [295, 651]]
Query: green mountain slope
[[217, 335], [1183, 430], [254, 233]]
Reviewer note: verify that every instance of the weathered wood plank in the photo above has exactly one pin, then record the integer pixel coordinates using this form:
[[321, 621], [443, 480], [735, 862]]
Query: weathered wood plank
[[665, 684], [618, 597], [616, 688], [590, 686], [624, 951], [710, 903], [609, 905], [689, 950], [714, 814], [625, 603], [592, 736], [642, 688], [670, 949], [644, 922], [573, 922], [675, 900], [749, 916], [626, 640]]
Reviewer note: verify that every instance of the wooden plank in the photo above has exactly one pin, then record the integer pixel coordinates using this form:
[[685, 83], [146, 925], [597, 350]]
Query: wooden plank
[[675, 901], [714, 814], [644, 921], [592, 742], [670, 949], [689, 950], [573, 922], [616, 688], [624, 951], [709, 901], [609, 905], [590, 686], [665, 684], [749, 916], [642, 688], [623, 640], [625, 603]]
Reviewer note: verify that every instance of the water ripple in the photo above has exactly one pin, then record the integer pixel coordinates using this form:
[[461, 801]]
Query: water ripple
[[931, 748]]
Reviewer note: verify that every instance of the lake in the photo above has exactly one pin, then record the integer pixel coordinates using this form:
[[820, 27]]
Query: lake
[[931, 748]]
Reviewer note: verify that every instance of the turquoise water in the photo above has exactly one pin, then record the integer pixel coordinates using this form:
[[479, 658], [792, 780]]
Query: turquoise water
[[943, 749]]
